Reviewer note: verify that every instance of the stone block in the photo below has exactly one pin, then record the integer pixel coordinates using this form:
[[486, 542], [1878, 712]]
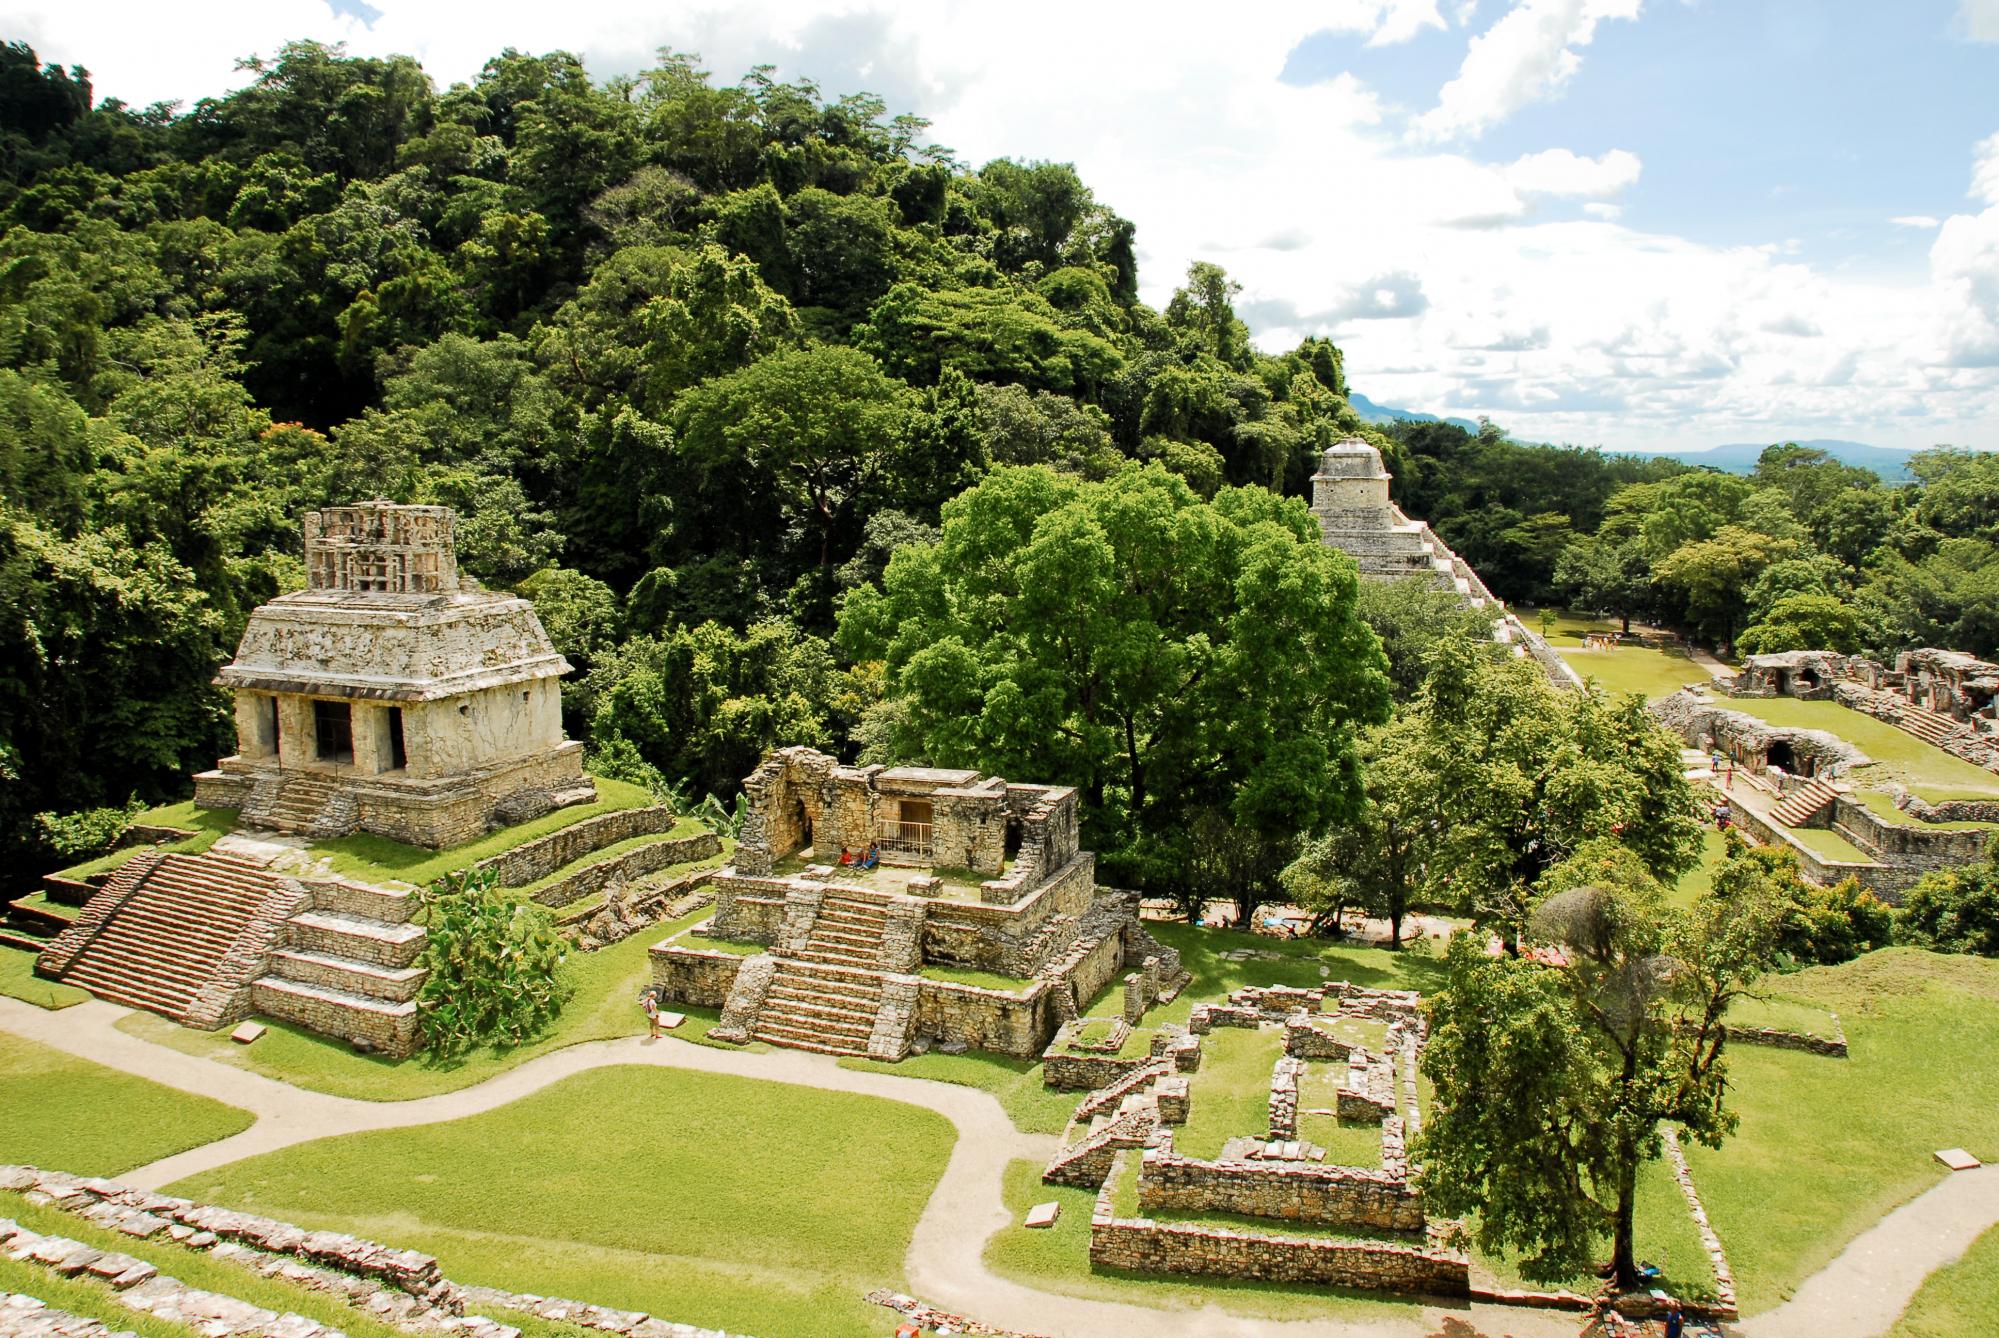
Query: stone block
[[248, 1032], [1957, 1159], [1043, 1215]]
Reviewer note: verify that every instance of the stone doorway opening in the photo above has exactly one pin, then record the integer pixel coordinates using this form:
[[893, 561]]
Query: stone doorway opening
[[333, 731]]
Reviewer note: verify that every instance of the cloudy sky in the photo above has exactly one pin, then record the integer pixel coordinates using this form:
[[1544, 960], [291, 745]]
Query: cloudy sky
[[1634, 223]]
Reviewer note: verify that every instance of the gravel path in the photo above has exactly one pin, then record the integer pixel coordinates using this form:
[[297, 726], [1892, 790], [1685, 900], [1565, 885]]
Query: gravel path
[[1859, 1295]]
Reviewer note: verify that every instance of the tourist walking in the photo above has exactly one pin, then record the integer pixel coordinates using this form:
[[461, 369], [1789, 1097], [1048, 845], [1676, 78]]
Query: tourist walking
[[649, 1001]]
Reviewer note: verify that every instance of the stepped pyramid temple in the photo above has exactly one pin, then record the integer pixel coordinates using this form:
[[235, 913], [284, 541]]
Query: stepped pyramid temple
[[392, 695], [1350, 498], [981, 926]]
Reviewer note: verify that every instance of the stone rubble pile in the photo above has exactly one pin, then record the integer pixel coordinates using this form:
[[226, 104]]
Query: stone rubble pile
[[929, 1317], [25, 1317], [401, 1288]]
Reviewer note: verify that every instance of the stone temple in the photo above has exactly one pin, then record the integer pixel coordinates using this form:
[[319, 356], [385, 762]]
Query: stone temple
[[393, 695], [1350, 498]]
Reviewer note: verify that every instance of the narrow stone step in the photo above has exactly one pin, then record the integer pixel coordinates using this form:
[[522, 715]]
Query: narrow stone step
[[393, 984]]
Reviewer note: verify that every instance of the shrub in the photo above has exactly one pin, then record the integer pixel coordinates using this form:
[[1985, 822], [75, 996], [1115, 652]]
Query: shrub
[[496, 967], [77, 836], [1954, 910]]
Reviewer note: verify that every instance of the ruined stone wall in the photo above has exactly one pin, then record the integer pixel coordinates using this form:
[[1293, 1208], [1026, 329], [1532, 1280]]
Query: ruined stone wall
[[785, 798], [1908, 845], [631, 864], [698, 976], [1146, 1245], [1381, 1200], [1066, 1072], [994, 938], [750, 909], [1008, 1024], [968, 827], [848, 812], [545, 854]]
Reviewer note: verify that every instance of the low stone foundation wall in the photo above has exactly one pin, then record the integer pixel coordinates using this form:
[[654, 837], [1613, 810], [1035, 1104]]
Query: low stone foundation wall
[[631, 865], [1144, 1245], [1779, 1039], [1008, 1024], [749, 908], [545, 854], [1323, 1195], [1066, 1072], [698, 976]]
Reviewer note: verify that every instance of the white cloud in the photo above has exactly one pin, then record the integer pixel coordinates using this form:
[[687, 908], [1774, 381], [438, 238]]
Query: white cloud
[[1455, 285], [1919, 221], [1985, 170], [1385, 22], [1560, 172], [1979, 19], [1528, 55]]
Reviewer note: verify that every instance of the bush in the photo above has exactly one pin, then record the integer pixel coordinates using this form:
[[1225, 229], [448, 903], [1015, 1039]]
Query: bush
[[1954, 910], [78, 836], [496, 967], [1821, 926]]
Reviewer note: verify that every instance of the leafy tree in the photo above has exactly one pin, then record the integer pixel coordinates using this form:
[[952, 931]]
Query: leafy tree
[[1525, 776], [1605, 573], [1380, 859], [1710, 578], [1954, 910], [1805, 622], [1819, 926], [1163, 653], [495, 967], [580, 614], [1552, 1080], [1411, 617]]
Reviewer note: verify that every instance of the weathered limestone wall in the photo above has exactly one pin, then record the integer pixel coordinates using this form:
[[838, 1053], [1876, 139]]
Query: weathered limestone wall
[[545, 854], [1008, 1024], [630, 865], [1915, 844], [749, 908], [1068, 1072], [699, 976], [1146, 1245], [1380, 1200], [969, 826], [996, 938]]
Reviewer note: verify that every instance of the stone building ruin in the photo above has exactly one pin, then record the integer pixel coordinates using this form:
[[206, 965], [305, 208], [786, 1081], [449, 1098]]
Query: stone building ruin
[[393, 695], [974, 873]]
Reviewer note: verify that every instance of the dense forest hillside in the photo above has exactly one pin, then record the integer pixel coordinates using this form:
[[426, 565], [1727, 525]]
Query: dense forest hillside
[[695, 361]]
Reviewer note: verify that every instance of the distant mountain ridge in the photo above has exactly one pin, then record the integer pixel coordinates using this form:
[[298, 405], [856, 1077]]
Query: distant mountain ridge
[[1737, 457]]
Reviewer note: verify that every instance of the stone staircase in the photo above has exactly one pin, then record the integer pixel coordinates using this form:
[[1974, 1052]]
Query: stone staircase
[[814, 1006], [1932, 727], [299, 803], [848, 931], [176, 934], [1805, 803], [346, 967]]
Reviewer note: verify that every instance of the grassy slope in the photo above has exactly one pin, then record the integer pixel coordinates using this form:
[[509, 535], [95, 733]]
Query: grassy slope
[[1230, 1093], [207, 824], [1898, 756], [1959, 1301], [1629, 668], [1827, 1147], [72, 1115], [1698, 881], [752, 1206], [19, 981], [378, 859], [604, 1007]]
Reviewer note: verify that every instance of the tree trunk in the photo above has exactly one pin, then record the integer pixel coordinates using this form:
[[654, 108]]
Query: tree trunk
[[1623, 1254], [1395, 928]]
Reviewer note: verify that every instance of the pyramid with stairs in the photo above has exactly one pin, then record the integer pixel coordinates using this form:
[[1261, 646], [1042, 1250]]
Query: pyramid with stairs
[[181, 935], [840, 980]]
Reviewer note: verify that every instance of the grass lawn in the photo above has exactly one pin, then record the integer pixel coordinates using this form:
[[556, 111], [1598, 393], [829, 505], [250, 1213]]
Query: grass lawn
[[985, 980], [740, 947], [1347, 1142], [207, 824], [725, 1202], [39, 901], [1827, 1147], [1883, 807], [1274, 961], [1698, 881], [1033, 1107], [1830, 845], [1230, 1093], [1784, 1014], [1629, 668], [19, 981], [1898, 756], [69, 1114], [378, 859], [1958, 1301]]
